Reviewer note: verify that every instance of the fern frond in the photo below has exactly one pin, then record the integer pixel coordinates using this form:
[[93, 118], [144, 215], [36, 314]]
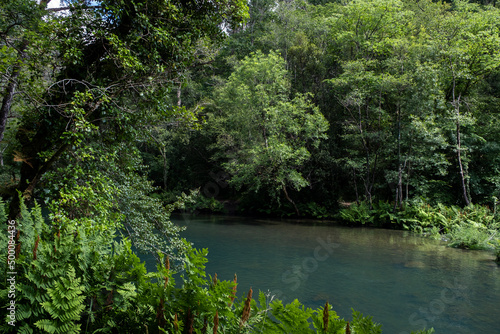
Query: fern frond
[[46, 325]]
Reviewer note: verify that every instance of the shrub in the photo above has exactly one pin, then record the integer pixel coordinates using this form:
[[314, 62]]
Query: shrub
[[356, 214], [472, 236], [473, 227]]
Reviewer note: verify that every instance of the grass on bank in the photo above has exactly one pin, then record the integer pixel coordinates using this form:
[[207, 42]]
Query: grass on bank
[[472, 227]]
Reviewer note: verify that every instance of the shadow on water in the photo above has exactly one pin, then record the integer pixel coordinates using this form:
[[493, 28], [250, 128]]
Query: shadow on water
[[404, 281]]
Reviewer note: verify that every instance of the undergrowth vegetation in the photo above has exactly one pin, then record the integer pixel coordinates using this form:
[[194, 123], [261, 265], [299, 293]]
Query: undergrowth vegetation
[[471, 227]]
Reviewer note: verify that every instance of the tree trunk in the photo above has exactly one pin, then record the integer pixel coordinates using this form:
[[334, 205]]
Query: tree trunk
[[1, 154], [456, 105], [7, 100], [399, 189], [179, 91], [290, 200], [459, 157], [355, 185], [164, 156], [10, 90]]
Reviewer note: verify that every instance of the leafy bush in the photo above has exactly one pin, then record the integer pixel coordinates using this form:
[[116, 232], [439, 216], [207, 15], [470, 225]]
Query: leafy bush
[[472, 236], [315, 210], [192, 202], [356, 214], [472, 227]]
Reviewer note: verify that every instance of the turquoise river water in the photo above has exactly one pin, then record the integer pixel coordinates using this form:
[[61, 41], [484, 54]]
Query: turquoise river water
[[404, 281]]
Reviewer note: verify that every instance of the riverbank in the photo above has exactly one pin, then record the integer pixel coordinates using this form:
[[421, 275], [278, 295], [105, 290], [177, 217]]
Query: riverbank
[[474, 227]]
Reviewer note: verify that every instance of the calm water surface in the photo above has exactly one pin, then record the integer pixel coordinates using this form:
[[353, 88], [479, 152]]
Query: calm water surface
[[404, 281]]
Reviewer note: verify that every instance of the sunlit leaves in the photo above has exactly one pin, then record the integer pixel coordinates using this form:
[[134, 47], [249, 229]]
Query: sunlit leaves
[[265, 134]]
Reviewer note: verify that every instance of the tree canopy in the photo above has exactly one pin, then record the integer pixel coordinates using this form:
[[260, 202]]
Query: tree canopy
[[407, 89], [83, 84]]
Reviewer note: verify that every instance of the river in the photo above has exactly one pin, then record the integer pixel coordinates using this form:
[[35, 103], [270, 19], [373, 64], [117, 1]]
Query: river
[[404, 281]]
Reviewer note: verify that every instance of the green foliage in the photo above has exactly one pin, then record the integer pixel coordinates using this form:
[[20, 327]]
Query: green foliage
[[101, 82], [333, 325], [61, 271], [290, 318], [102, 191], [361, 324], [357, 214], [295, 318], [196, 202], [65, 305], [472, 235], [473, 227], [315, 210], [264, 136], [424, 331], [382, 73]]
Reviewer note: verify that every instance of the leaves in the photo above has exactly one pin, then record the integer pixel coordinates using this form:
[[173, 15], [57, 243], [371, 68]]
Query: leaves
[[65, 306], [265, 136]]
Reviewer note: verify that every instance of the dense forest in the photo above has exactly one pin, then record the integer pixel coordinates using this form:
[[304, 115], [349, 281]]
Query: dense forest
[[408, 93], [116, 113], [382, 113]]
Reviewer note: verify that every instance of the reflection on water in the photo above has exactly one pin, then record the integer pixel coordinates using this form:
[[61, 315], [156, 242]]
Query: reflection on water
[[404, 281]]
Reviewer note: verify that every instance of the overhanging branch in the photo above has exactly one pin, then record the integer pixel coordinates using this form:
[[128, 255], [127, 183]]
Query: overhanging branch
[[60, 9]]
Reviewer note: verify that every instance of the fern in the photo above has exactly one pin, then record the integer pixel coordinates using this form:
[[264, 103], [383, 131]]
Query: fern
[[335, 324], [357, 214], [364, 325], [424, 331], [30, 225], [291, 318], [25, 329], [65, 305]]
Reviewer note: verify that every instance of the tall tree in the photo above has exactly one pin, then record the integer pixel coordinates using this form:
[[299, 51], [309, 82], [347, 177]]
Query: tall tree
[[468, 44], [126, 50], [263, 134], [23, 47], [103, 94]]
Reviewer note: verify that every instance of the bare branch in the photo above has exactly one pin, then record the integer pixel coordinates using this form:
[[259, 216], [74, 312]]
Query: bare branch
[[60, 9]]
